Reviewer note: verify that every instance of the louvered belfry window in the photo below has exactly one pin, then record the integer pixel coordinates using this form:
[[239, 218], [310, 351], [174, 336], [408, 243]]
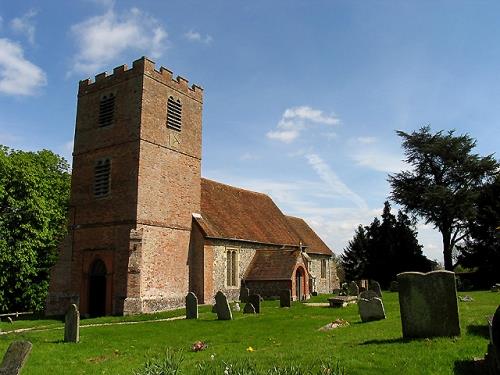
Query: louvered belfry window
[[102, 177], [106, 110], [174, 114]]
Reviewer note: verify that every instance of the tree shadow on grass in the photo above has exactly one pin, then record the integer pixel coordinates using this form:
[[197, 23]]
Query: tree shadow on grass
[[478, 330], [469, 367]]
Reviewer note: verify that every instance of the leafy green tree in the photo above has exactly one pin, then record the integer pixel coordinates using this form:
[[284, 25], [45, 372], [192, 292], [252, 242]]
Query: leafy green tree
[[384, 248], [34, 191], [353, 260], [482, 248], [443, 183]]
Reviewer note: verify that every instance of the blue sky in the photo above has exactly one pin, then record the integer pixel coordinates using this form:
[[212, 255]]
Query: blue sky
[[302, 98]]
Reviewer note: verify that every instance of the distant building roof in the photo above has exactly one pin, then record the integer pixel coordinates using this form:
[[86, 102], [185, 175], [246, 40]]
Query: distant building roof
[[308, 236], [233, 213], [272, 264]]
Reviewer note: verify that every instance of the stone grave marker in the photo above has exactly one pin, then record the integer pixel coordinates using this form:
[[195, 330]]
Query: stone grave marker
[[222, 307], [371, 309], [285, 298], [15, 358], [493, 354], [249, 308], [368, 294], [72, 324], [352, 289], [255, 299], [375, 286], [191, 306], [394, 286], [428, 304]]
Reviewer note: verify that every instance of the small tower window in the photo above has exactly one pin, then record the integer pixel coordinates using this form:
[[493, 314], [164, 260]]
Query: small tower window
[[174, 114], [231, 268], [106, 110], [102, 178]]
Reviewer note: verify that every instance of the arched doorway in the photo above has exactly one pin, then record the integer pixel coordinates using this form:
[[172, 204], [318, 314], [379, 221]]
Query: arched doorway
[[299, 281], [97, 288]]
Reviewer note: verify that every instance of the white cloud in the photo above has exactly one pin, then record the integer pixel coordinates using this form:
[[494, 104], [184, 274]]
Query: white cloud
[[18, 76], [194, 36], [24, 25], [295, 119], [366, 152], [333, 181], [104, 39]]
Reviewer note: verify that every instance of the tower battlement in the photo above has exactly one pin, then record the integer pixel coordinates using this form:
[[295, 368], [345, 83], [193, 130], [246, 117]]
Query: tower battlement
[[141, 66]]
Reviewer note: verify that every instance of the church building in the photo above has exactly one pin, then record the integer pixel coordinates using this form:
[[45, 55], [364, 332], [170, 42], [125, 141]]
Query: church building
[[144, 228]]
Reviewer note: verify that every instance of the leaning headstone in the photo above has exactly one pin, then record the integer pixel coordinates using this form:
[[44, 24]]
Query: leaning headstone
[[375, 286], [15, 358], [394, 286], [352, 289], [222, 307], [371, 309], [255, 299], [72, 324], [191, 306], [285, 298], [249, 308], [428, 304], [368, 294]]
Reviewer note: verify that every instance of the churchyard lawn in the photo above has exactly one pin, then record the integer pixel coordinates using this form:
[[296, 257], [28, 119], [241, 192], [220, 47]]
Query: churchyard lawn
[[277, 336]]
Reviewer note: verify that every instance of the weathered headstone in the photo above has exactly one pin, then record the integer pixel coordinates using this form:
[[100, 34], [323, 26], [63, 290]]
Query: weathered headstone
[[255, 299], [236, 306], [191, 306], [375, 286], [428, 304], [371, 309], [394, 286], [72, 324], [493, 355], [222, 307], [352, 289], [368, 294], [285, 298], [15, 358], [249, 308]]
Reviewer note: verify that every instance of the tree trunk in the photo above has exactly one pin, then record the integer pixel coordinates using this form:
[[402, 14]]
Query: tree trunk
[[448, 260]]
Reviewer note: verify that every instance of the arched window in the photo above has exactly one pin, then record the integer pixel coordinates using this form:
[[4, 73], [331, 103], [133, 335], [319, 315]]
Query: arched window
[[174, 114], [106, 110], [232, 267]]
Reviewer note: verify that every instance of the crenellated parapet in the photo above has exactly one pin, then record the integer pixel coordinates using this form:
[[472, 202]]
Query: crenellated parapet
[[142, 66]]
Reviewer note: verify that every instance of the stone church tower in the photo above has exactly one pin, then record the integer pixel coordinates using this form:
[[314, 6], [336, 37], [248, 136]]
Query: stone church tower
[[135, 186]]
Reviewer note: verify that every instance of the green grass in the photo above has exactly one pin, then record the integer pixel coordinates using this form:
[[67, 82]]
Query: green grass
[[279, 337]]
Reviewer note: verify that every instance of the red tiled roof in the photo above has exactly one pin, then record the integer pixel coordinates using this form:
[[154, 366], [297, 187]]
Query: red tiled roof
[[272, 264], [232, 213], [309, 238]]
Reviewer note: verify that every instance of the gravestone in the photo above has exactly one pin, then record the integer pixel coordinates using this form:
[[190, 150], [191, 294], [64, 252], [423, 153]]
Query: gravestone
[[428, 304], [249, 308], [15, 358], [191, 306], [394, 286], [255, 299], [493, 355], [371, 309], [285, 298], [72, 324], [222, 307], [375, 286], [368, 294], [352, 289]]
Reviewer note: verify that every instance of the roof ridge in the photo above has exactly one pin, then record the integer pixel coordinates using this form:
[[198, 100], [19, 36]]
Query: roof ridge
[[238, 188]]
